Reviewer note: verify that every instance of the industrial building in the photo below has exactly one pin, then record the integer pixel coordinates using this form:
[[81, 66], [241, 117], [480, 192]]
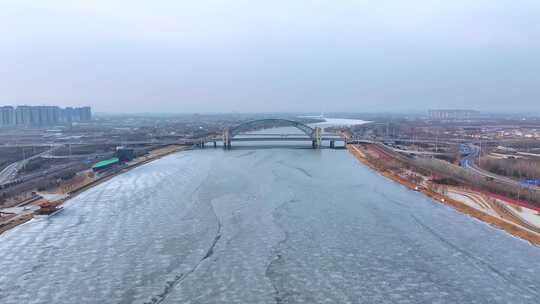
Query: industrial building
[[125, 154], [105, 164]]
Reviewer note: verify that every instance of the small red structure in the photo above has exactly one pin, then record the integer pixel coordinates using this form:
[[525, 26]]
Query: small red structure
[[49, 208]]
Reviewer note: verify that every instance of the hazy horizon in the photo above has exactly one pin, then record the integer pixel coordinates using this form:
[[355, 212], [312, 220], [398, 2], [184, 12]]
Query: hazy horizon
[[214, 56]]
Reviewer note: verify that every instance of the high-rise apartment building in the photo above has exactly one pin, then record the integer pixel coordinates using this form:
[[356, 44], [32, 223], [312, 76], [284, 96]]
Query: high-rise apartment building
[[7, 116], [23, 116], [453, 114], [86, 113]]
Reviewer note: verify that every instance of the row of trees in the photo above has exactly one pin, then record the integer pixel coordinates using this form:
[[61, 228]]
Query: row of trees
[[475, 180], [512, 167]]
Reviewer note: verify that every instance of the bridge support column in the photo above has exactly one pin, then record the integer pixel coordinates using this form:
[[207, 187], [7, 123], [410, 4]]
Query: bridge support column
[[316, 143], [227, 139]]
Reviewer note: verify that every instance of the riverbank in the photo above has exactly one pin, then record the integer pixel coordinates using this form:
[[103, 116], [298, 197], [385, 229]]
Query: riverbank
[[152, 156], [461, 206], [77, 188]]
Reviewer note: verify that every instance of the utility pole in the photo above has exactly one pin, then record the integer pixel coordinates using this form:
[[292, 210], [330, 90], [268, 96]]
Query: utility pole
[[480, 153], [437, 141], [414, 135], [24, 158]]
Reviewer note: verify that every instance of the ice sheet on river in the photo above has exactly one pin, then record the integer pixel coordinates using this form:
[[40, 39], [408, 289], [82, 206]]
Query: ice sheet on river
[[262, 226]]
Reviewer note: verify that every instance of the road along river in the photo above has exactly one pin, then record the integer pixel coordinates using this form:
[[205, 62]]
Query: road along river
[[262, 226]]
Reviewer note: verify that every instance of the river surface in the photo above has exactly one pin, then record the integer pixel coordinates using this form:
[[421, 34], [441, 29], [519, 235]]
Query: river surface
[[262, 226], [339, 122]]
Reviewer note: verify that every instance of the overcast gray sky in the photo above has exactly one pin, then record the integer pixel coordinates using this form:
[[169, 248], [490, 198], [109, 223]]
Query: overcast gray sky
[[279, 55]]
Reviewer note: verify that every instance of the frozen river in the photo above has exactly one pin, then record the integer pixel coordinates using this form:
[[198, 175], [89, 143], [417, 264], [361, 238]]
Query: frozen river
[[262, 226]]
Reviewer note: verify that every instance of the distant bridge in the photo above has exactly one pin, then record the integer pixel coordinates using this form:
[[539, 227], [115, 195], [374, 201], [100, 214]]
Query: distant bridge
[[312, 134], [263, 123]]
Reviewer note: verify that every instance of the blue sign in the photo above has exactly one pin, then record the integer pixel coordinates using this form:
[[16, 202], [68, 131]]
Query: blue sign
[[466, 163], [535, 182]]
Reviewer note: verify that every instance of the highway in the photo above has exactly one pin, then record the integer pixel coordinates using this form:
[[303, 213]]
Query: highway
[[416, 152], [468, 163], [79, 156], [10, 172]]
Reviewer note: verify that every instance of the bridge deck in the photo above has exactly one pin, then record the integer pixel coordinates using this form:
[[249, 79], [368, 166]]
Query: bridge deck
[[284, 139]]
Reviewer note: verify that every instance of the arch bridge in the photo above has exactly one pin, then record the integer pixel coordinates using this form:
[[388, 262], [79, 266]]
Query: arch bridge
[[313, 134]]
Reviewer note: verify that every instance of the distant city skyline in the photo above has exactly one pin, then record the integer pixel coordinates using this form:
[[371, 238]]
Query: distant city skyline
[[30, 116], [271, 56]]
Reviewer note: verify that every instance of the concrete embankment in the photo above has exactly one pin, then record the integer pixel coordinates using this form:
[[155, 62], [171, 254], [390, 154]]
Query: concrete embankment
[[509, 227]]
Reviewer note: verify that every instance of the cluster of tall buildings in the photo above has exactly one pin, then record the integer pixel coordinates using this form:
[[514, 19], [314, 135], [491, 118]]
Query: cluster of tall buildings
[[453, 114], [37, 116]]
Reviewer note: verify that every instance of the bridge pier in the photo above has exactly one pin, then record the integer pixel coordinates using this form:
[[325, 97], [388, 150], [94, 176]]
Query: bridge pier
[[227, 139], [227, 144], [316, 143]]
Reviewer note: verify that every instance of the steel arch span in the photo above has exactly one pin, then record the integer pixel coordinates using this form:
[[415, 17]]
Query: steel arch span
[[250, 125]]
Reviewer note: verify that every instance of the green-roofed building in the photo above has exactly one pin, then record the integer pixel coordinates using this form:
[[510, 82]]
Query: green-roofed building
[[104, 164]]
